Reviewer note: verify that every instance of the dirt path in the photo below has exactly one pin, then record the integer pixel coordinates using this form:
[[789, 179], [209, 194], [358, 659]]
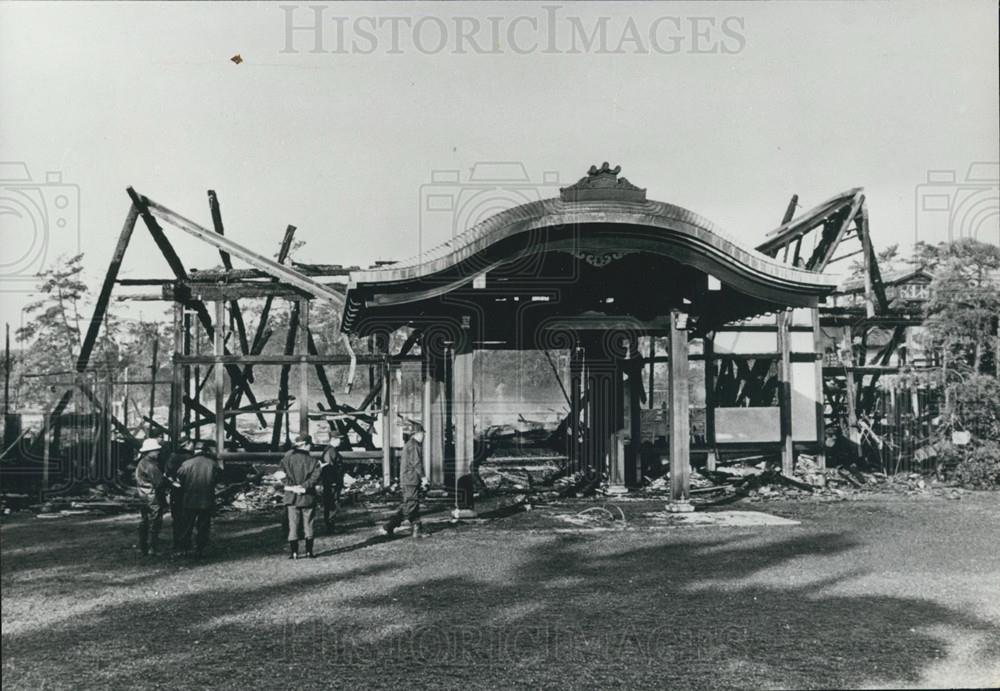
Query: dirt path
[[874, 593]]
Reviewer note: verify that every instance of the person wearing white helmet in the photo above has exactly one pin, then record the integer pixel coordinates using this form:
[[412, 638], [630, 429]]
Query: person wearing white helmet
[[151, 485]]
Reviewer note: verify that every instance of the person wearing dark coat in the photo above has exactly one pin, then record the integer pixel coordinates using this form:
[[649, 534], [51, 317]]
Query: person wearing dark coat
[[331, 477], [151, 487], [197, 476], [411, 477], [175, 491], [300, 474]]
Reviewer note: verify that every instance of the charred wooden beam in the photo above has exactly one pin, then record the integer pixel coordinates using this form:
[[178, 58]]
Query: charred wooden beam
[[269, 266], [187, 290], [230, 275], [290, 337], [100, 308], [234, 307], [230, 358], [209, 417], [143, 204], [262, 333]]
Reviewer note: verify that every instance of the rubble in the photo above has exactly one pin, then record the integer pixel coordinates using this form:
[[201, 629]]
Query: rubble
[[763, 483]]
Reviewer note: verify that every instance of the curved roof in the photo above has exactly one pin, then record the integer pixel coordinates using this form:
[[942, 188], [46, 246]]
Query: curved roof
[[653, 226]]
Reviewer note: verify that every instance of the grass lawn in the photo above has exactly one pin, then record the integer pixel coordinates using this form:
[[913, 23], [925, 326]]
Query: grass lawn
[[883, 592]]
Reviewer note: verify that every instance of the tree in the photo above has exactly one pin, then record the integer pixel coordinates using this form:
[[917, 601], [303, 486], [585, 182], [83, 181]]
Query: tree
[[53, 334], [961, 315], [52, 337]]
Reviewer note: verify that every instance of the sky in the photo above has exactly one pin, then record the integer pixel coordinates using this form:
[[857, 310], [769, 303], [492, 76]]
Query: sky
[[365, 133]]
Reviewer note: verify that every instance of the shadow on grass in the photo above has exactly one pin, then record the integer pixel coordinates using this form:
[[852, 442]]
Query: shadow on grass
[[563, 612]]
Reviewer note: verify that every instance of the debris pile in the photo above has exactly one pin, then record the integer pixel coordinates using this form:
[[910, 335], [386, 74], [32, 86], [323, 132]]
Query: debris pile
[[608, 516], [765, 482], [262, 491], [98, 500]]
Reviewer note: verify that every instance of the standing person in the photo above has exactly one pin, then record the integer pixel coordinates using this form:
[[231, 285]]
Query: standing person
[[331, 476], [181, 452], [411, 477], [300, 474], [197, 476], [151, 487]]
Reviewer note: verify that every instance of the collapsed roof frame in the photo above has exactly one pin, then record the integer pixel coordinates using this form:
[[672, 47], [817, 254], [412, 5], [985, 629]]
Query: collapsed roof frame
[[192, 290]]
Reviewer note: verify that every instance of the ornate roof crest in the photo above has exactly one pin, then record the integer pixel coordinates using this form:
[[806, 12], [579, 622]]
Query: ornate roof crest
[[603, 184]]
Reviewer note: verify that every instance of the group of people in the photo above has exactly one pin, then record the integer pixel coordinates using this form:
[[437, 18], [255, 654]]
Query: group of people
[[184, 480], [302, 475]]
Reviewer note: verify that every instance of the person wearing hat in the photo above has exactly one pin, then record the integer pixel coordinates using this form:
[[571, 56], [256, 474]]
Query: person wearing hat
[[331, 477], [183, 449], [300, 473], [197, 477], [411, 477], [151, 487]]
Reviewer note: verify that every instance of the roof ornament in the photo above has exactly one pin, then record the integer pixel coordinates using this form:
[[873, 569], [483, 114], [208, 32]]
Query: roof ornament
[[603, 184]]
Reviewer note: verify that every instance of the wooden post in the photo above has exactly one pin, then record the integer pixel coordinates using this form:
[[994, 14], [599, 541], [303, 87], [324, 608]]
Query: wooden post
[[152, 373], [387, 427], [176, 420], [785, 392], [680, 423], [302, 338], [708, 349], [282, 411], [820, 402], [633, 406], [652, 369], [186, 346], [577, 406], [463, 411], [220, 381], [434, 416], [427, 402]]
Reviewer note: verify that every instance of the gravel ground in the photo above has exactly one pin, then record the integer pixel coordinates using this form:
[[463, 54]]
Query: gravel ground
[[884, 592]]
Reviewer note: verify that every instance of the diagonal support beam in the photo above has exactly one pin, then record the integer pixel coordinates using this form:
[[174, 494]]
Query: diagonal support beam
[[142, 204], [234, 306], [262, 333], [105, 295], [258, 261], [824, 254]]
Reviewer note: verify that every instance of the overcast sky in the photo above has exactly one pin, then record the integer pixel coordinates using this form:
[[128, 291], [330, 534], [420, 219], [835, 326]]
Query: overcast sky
[[724, 109]]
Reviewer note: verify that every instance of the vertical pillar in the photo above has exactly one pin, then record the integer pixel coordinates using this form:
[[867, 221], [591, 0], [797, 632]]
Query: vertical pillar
[[463, 412], [785, 392], [426, 402], [434, 417], [680, 423], [820, 396], [386, 372], [577, 408], [603, 410], [220, 379], [634, 406], [302, 337], [188, 388], [176, 419], [708, 349]]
